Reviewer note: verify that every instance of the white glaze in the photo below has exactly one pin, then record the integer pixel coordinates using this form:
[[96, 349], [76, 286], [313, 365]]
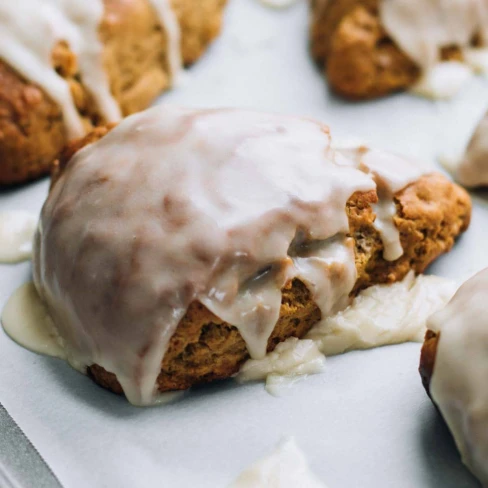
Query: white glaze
[[291, 360], [30, 29], [27, 41], [385, 211], [378, 316], [472, 169], [443, 81], [242, 201], [421, 28], [285, 467], [26, 320], [384, 314], [391, 173], [17, 230], [458, 383], [171, 27]]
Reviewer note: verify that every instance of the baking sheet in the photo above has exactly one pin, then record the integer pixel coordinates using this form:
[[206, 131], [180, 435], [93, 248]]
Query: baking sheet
[[366, 422]]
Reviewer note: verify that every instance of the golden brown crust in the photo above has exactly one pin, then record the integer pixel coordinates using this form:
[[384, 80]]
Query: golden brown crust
[[361, 61], [427, 358], [31, 129], [31, 125], [431, 213]]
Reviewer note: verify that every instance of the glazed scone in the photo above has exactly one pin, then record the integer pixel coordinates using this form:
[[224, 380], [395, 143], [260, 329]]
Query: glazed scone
[[453, 367], [188, 240], [140, 53], [370, 48]]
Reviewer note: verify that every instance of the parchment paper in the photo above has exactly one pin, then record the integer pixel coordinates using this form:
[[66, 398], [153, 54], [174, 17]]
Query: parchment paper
[[366, 422]]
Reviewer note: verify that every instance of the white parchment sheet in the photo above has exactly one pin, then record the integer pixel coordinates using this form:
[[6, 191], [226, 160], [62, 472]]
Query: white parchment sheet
[[364, 423]]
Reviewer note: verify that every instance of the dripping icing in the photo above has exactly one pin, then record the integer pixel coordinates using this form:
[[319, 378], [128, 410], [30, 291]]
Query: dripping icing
[[17, 230], [171, 26], [227, 193], [421, 28], [379, 315], [27, 43], [391, 174], [26, 320]]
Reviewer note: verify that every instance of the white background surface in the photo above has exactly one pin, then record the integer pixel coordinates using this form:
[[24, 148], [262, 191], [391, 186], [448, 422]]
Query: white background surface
[[366, 422]]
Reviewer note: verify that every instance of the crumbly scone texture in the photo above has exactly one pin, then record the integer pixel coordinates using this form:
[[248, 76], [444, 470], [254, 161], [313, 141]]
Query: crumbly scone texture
[[360, 60], [431, 213], [32, 132]]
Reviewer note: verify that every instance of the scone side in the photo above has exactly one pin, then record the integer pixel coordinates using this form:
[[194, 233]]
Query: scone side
[[431, 213]]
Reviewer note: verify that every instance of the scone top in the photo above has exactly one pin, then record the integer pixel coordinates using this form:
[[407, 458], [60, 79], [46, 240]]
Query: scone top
[[173, 206]]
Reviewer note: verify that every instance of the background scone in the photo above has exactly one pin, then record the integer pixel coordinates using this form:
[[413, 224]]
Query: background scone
[[472, 170], [138, 45], [454, 368], [179, 243], [370, 48]]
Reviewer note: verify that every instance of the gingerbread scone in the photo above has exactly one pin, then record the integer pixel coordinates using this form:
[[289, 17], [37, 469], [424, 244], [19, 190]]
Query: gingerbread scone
[[370, 48], [454, 367], [75, 65], [179, 243]]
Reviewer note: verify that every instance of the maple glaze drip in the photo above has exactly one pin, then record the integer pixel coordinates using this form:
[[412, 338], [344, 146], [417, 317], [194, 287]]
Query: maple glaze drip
[[26, 320], [391, 174], [169, 22], [173, 206], [30, 30], [17, 230], [422, 28]]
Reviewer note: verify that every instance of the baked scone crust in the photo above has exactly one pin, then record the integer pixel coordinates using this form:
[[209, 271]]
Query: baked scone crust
[[360, 60], [430, 214], [32, 132], [427, 358]]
